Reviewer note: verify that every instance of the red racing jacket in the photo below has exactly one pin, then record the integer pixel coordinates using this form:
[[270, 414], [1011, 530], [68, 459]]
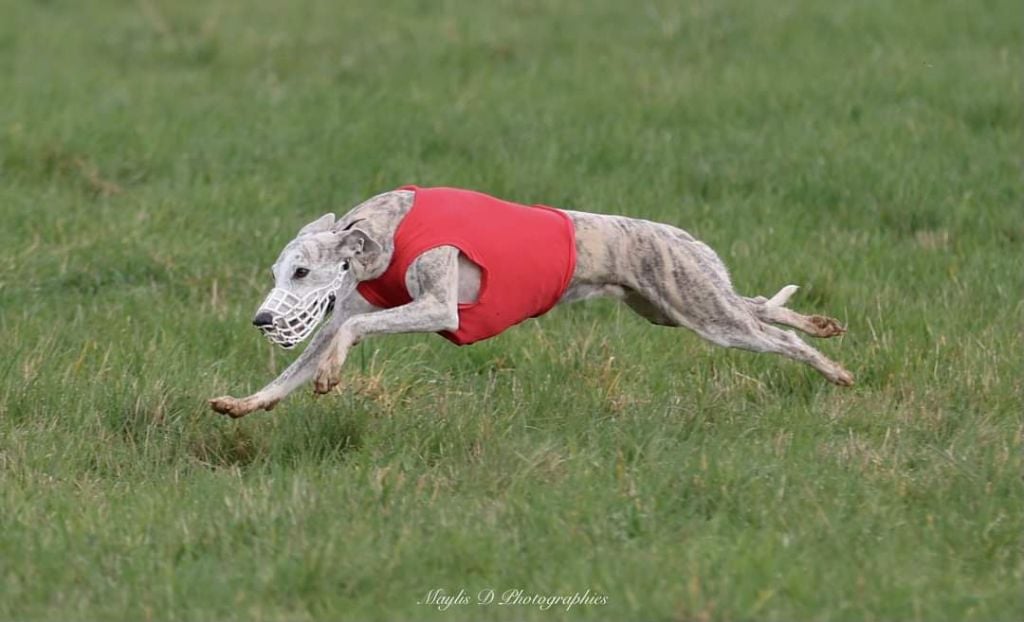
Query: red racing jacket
[[526, 255]]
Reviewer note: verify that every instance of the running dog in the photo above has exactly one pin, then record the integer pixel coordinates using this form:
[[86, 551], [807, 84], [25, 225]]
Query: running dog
[[469, 266]]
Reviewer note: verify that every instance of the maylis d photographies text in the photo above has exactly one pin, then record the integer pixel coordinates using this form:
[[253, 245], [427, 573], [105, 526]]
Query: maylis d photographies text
[[443, 600]]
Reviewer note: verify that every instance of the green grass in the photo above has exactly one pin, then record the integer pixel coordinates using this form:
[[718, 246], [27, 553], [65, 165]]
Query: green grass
[[155, 155]]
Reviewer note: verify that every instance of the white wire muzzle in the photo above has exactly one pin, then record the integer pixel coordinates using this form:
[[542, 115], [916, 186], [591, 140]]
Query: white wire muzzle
[[295, 318]]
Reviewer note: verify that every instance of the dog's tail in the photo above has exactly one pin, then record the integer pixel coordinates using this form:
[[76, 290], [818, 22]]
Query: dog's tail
[[780, 299], [761, 304]]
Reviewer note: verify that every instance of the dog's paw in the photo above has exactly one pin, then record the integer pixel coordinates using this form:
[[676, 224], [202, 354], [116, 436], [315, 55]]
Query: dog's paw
[[235, 408], [231, 406], [826, 326], [842, 378], [324, 384], [326, 379]]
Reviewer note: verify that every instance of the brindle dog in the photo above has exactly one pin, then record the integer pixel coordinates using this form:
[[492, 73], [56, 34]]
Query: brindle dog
[[662, 273]]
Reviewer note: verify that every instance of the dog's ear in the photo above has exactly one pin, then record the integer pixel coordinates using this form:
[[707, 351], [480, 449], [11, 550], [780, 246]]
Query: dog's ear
[[363, 253], [358, 244], [324, 223]]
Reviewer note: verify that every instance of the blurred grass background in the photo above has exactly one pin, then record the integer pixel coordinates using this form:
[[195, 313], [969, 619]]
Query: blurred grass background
[[155, 156]]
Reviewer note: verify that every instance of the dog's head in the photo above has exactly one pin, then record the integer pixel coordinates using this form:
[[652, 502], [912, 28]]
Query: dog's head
[[321, 265]]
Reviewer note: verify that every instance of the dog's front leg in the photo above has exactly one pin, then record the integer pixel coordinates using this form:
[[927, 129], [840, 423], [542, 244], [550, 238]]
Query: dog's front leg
[[432, 282], [301, 369], [292, 377]]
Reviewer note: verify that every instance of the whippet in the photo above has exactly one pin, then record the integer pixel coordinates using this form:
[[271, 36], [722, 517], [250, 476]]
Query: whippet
[[661, 272]]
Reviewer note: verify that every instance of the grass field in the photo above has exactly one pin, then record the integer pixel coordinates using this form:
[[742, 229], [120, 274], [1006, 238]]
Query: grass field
[[155, 156]]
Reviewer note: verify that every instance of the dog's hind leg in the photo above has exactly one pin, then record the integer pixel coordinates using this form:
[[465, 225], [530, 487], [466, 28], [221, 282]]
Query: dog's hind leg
[[670, 278], [774, 310], [686, 283], [760, 337], [737, 327]]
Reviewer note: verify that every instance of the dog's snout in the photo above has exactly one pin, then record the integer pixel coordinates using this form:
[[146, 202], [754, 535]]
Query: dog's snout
[[263, 318]]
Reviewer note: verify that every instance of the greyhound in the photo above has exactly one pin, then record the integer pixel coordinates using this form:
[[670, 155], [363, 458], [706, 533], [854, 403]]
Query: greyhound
[[659, 271]]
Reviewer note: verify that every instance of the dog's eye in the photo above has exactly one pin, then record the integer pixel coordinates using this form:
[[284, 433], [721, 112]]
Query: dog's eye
[[300, 273], [344, 265]]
